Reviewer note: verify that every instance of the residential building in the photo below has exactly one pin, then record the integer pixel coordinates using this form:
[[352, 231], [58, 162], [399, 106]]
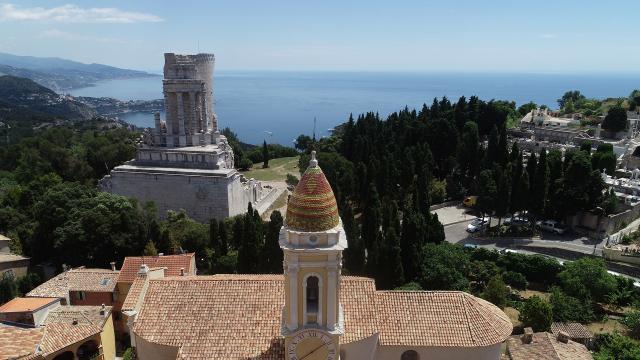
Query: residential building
[[576, 332], [11, 264]]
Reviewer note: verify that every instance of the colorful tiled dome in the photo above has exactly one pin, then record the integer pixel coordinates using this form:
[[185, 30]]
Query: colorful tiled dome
[[312, 206]]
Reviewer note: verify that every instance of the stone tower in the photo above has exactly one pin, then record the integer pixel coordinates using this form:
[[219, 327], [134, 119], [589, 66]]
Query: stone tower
[[188, 100], [312, 240]]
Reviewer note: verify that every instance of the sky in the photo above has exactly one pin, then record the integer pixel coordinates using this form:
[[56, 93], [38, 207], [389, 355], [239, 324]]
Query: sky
[[546, 36]]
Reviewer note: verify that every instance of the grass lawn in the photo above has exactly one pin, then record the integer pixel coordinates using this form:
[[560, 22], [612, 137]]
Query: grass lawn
[[529, 293], [277, 170], [607, 326]]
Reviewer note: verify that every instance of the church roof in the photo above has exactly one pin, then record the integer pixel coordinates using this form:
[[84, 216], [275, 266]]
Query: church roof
[[312, 206], [240, 316]]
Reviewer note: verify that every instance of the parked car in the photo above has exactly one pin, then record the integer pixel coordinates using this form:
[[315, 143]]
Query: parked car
[[516, 220], [478, 224], [551, 226], [471, 246], [470, 201]]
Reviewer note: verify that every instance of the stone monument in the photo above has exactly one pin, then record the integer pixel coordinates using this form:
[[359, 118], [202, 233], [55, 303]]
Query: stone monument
[[184, 163]]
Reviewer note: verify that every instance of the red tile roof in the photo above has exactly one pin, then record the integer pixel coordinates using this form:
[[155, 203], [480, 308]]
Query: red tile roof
[[172, 263], [239, 316]]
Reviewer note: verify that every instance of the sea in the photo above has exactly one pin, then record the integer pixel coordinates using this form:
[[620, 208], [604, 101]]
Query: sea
[[277, 106]]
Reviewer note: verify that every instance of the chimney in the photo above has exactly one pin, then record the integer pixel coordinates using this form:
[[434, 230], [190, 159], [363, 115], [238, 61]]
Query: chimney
[[563, 337], [144, 269], [103, 311], [75, 321], [181, 271], [113, 266], [527, 337]]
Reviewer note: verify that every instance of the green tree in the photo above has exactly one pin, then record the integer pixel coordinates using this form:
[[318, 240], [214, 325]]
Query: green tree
[[536, 313], [355, 254], [524, 109], [540, 186], [587, 278], [8, 289], [567, 308], [496, 292], [265, 155], [614, 346], [272, 255], [224, 237], [515, 279], [150, 249], [616, 119], [391, 273], [248, 252], [444, 267], [632, 321]]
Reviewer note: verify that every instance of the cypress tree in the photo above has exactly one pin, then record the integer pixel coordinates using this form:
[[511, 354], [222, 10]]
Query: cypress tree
[[371, 217], [390, 270], [272, 255], [541, 185], [248, 258], [214, 240], [411, 243], [354, 255], [223, 236], [265, 155]]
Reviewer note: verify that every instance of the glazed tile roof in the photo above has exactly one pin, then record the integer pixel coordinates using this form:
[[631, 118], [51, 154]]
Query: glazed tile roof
[[312, 206], [545, 346], [80, 279], [172, 263], [239, 316], [573, 329], [439, 318], [18, 305], [17, 342]]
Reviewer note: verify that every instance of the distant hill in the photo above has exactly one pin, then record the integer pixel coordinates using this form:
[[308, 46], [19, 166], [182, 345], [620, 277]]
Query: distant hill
[[23, 99], [61, 74]]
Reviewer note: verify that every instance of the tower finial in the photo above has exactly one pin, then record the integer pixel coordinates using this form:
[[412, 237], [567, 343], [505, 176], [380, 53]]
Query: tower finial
[[313, 162]]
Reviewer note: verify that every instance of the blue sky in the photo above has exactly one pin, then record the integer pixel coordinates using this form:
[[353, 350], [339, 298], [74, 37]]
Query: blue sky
[[361, 35]]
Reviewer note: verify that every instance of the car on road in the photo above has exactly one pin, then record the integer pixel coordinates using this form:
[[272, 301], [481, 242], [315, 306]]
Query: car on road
[[516, 220], [471, 246], [478, 224], [551, 226]]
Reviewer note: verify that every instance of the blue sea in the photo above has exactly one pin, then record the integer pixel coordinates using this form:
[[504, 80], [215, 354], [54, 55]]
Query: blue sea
[[278, 106]]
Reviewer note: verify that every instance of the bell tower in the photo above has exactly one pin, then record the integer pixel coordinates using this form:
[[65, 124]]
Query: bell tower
[[312, 240]]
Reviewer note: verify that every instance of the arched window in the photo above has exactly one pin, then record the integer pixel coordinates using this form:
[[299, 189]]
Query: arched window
[[409, 355], [313, 294]]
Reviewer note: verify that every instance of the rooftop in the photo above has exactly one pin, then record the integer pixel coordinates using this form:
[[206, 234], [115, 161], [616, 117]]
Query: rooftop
[[80, 279], [573, 329], [17, 342], [239, 316], [312, 206], [26, 304], [172, 263], [5, 257], [545, 346]]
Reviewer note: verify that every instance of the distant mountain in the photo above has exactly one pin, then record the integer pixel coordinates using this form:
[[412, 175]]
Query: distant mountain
[[21, 97], [61, 74]]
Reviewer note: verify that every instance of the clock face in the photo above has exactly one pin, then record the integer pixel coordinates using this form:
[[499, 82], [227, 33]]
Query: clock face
[[312, 345]]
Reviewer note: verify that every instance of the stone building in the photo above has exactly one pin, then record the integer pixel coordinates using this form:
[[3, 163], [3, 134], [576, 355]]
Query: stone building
[[311, 311], [185, 163]]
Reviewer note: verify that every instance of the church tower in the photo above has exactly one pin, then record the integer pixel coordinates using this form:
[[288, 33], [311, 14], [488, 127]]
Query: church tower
[[312, 240]]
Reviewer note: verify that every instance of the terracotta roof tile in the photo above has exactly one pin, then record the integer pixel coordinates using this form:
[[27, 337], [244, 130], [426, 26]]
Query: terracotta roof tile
[[17, 342], [60, 335], [84, 314], [133, 296], [545, 346], [239, 316], [439, 318], [81, 279], [574, 329], [172, 263]]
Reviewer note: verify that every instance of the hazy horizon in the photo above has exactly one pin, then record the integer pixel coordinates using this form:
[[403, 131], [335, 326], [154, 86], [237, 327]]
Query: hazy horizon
[[373, 36]]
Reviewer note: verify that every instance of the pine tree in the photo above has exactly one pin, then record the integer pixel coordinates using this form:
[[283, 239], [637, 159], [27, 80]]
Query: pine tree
[[371, 217], [265, 155]]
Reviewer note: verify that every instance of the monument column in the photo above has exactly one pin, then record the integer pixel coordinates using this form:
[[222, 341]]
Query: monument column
[[168, 118], [181, 131], [205, 113], [194, 125]]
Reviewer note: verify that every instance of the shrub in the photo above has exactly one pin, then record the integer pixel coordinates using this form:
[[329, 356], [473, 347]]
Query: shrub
[[632, 321], [515, 280], [496, 292], [536, 313], [291, 180]]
